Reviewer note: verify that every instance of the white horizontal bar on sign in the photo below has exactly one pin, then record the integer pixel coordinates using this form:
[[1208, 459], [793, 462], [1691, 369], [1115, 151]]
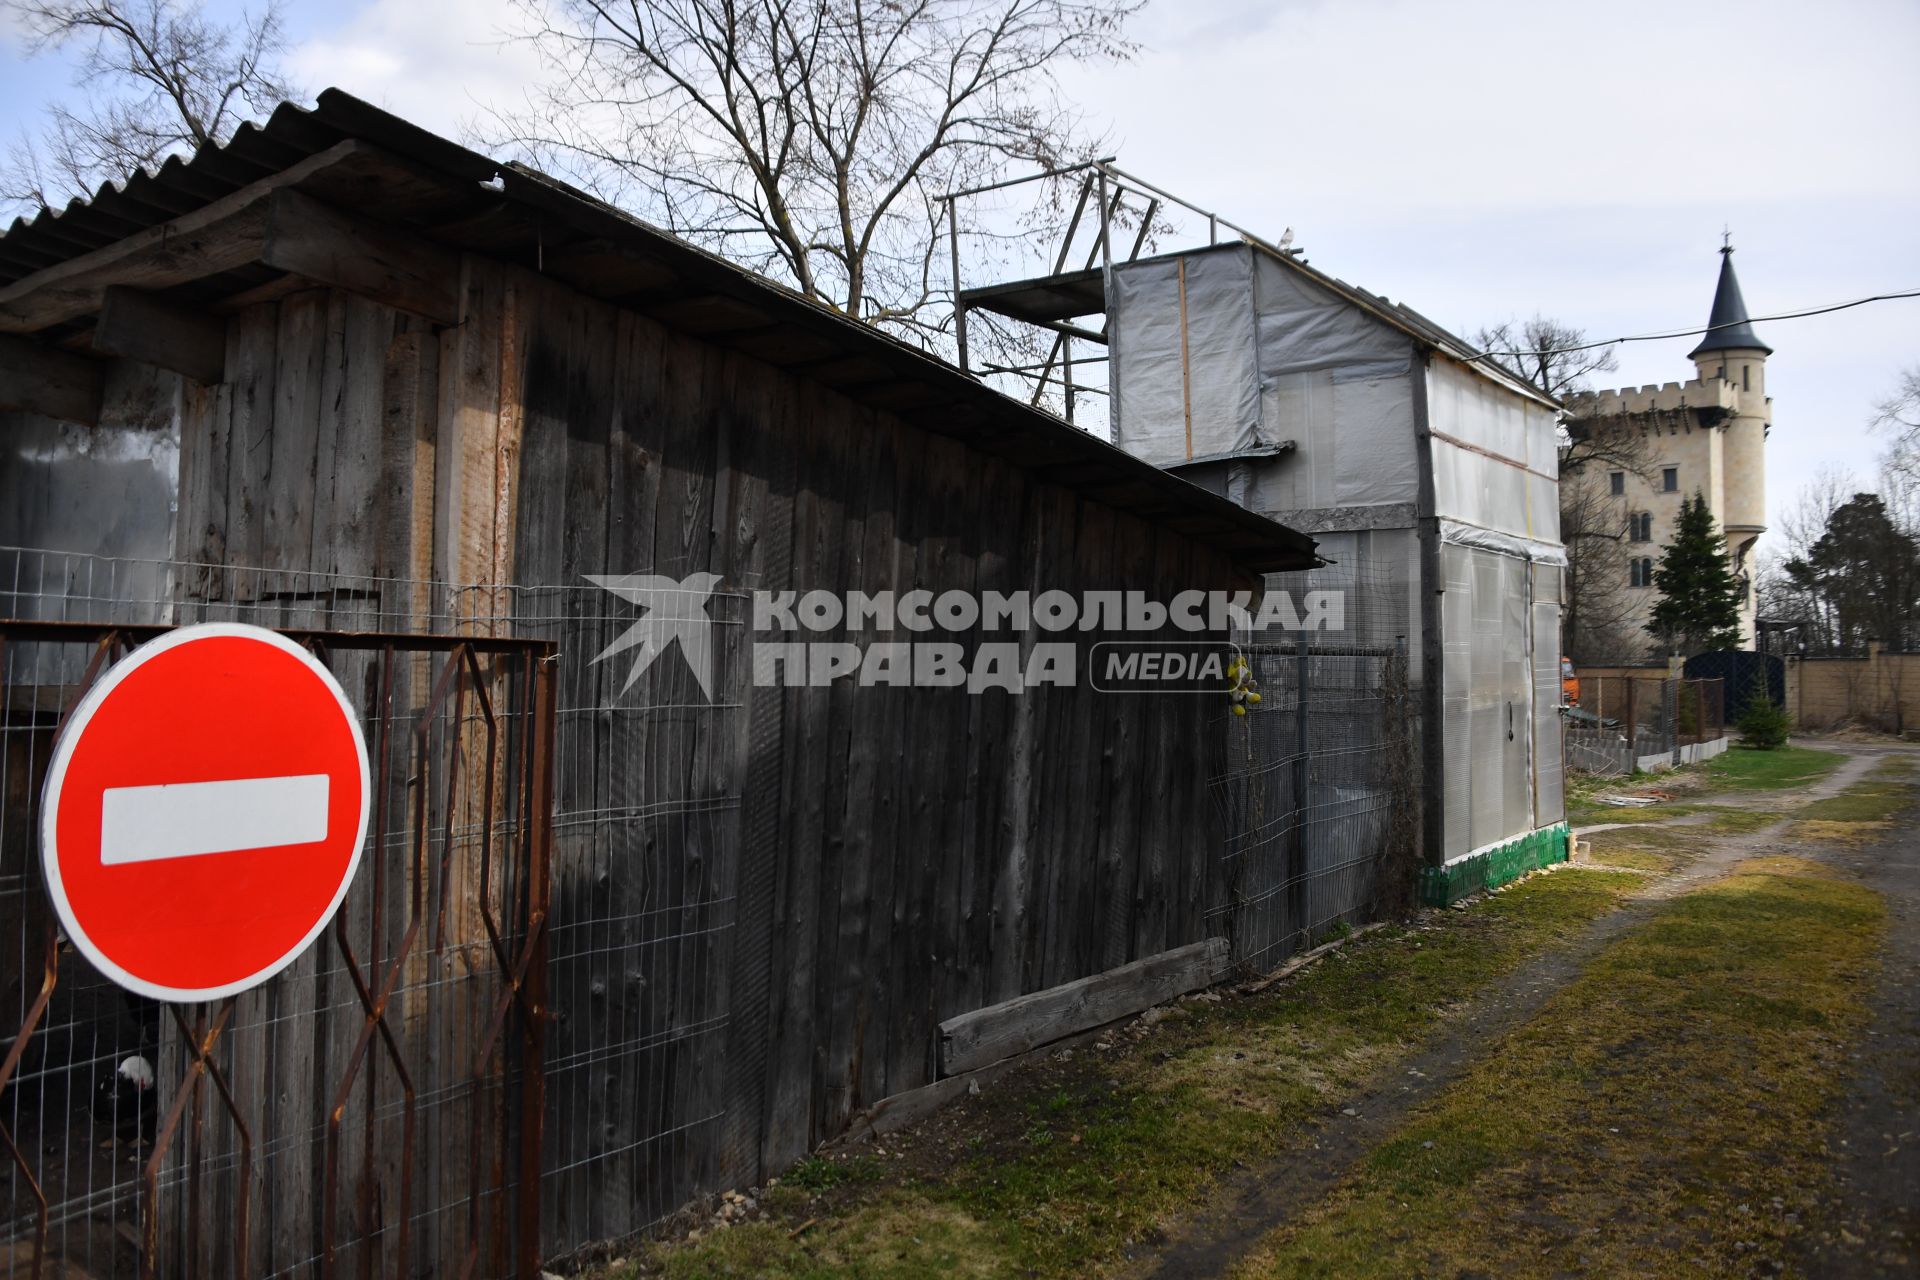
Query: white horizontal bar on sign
[[191, 819]]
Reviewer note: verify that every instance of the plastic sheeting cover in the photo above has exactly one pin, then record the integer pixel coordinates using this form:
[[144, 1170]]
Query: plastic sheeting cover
[[1163, 370], [1336, 382], [1269, 357], [1303, 327], [1353, 441], [1494, 455], [1490, 697], [110, 488], [1549, 762], [1509, 544]]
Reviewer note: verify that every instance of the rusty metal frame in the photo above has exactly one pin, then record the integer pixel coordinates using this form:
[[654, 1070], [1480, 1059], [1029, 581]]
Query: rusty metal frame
[[50, 974], [518, 945]]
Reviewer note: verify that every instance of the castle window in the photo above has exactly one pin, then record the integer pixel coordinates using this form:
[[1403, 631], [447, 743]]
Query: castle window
[[1640, 526], [1616, 482], [1640, 571], [1746, 377], [1670, 479]]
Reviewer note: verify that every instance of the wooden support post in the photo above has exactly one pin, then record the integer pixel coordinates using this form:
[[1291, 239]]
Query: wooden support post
[[1105, 245], [45, 380], [1066, 371], [143, 327], [1186, 368]]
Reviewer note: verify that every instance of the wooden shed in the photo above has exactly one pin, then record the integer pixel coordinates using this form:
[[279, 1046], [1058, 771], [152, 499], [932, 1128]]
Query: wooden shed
[[343, 374]]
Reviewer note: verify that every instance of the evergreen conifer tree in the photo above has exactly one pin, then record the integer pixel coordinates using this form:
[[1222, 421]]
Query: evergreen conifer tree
[[1699, 605]]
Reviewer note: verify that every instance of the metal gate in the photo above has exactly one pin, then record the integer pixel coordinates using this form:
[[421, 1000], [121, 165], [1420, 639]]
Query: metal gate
[[374, 1109]]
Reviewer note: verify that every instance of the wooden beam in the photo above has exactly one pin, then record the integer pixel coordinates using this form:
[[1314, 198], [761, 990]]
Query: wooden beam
[[226, 234], [604, 269], [311, 239], [41, 379], [1026, 1022], [782, 344], [142, 327], [710, 313], [898, 1110]]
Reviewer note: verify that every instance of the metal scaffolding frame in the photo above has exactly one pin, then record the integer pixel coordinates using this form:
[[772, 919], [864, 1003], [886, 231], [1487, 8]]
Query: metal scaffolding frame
[[1051, 301]]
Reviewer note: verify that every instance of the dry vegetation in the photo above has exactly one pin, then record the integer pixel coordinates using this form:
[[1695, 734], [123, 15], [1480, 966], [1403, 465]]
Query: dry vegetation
[[1055, 1171], [1663, 1114]]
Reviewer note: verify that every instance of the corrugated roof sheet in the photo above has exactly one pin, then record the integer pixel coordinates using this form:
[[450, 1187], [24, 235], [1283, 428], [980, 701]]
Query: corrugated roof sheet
[[517, 214]]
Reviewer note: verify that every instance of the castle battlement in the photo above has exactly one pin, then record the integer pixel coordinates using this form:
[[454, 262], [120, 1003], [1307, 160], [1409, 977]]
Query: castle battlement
[[1698, 393]]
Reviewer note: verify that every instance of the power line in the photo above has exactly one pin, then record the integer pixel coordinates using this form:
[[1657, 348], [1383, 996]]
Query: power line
[[1731, 324]]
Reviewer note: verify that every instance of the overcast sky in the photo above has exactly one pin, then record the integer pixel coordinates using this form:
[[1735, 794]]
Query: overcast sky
[[1478, 161]]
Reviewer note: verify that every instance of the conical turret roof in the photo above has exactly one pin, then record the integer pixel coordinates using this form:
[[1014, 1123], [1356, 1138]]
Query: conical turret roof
[[1727, 328]]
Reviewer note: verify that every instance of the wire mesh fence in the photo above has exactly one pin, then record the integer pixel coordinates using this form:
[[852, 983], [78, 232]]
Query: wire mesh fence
[[1624, 723], [1316, 791], [639, 933], [644, 809]]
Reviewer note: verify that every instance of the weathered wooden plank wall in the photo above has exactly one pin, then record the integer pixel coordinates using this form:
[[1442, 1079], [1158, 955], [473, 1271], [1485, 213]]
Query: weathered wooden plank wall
[[933, 851], [936, 852], [317, 469]]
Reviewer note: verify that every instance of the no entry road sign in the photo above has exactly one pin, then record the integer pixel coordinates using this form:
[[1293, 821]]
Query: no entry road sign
[[204, 811]]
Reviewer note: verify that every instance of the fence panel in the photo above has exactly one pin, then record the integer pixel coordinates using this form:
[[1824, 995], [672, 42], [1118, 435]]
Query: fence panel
[[1315, 787], [375, 1108], [1626, 722]]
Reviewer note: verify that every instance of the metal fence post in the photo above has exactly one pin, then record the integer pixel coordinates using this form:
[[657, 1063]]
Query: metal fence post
[[1297, 842], [1633, 724]]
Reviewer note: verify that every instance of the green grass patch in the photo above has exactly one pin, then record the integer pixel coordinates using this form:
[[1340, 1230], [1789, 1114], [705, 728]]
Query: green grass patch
[[1867, 807], [894, 1237], [1623, 813], [816, 1173], [1736, 821], [1664, 1115], [1652, 849], [1745, 769], [1053, 1171]]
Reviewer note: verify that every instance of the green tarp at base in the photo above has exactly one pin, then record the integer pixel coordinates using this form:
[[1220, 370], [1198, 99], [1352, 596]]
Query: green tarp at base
[[1491, 868]]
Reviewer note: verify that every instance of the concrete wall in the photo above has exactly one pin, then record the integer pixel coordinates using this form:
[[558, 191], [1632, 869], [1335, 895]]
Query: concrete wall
[[1881, 691]]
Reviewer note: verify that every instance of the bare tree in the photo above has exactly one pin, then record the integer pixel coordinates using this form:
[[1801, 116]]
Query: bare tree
[[1786, 599], [1557, 359], [1549, 354], [1899, 415], [157, 77], [811, 140], [1600, 619]]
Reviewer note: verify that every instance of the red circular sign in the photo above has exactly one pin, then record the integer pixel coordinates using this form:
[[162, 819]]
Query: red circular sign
[[204, 811]]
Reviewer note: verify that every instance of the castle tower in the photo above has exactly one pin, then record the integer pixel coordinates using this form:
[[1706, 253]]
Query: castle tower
[[1732, 354], [1706, 435]]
